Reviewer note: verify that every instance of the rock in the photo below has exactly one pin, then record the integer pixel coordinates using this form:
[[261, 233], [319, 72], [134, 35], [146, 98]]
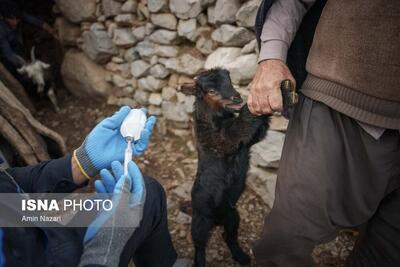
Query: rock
[[174, 111], [157, 5], [82, 77], [166, 51], [98, 46], [242, 70], [225, 11], [163, 36], [185, 9], [249, 48], [205, 45], [123, 37], [211, 15], [166, 20], [67, 32], [124, 101], [229, 35], [151, 84], [155, 111], [146, 49], [97, 26], [246, 15], [149, 28], [119, 81], [183, 190], [185, 64], [155, 99], [141, 97], [139, 68], [187, 28], [143, 11], [267, 153], [131, 55], [78, 11], [129, 6], [262, 182], [124, 19], [182, 218], [189, 103], [159, 71], [222, 57], [153, 60], [202, 19], [279, 123], [168, 93], [111, 8]]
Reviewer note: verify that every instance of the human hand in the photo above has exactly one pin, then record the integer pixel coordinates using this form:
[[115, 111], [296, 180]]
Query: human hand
[[105, 144], [265, 91], [127, 195]]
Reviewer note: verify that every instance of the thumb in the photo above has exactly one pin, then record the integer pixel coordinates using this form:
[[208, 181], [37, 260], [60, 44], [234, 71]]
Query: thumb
[[116, 120]]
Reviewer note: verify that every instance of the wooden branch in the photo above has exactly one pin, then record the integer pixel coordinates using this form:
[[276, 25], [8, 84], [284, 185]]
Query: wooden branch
[[16, 87], [16, 140]]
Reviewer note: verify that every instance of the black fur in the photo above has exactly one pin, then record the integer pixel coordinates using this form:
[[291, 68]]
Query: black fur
[[224, 139]]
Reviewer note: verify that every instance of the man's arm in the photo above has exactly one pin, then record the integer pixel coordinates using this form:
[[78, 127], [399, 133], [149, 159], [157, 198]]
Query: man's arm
[[57, 175], [38, 23], [280, 27], [8, 54]]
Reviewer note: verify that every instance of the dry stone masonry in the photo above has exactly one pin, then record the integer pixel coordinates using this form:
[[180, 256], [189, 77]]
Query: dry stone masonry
[[138, 52]]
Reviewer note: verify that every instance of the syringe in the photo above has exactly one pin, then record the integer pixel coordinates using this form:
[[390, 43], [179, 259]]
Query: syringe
[[128, 154], [131, 129]]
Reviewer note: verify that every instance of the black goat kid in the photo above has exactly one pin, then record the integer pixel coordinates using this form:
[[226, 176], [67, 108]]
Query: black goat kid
[[225, 131]]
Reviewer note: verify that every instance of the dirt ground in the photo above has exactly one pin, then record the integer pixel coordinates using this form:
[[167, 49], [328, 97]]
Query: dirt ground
[[172, 161]]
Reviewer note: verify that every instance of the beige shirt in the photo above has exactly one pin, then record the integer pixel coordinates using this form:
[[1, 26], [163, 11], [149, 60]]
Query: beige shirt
[[281, 24]]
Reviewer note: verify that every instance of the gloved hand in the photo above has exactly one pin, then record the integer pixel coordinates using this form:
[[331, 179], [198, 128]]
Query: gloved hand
[[105, 144], [107, 235]]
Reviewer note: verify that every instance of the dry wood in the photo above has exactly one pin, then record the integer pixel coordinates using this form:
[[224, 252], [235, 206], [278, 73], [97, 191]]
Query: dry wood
[[27, 131], [16, 140], [16, 87]]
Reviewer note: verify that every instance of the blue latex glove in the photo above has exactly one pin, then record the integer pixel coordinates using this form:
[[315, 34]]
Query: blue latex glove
[[105, 144], [127, 195]]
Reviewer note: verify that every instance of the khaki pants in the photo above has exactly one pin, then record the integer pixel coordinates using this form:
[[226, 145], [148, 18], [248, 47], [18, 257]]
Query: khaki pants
[[333, 175]]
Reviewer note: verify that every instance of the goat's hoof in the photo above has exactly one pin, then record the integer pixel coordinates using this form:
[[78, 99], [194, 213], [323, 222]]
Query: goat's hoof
[[242, 258]]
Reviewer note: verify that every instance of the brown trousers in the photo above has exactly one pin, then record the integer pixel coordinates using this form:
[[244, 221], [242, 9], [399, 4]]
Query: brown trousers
[[333, 175]]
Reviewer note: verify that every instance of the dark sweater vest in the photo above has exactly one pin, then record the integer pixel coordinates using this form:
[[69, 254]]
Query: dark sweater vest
[[354, 61]]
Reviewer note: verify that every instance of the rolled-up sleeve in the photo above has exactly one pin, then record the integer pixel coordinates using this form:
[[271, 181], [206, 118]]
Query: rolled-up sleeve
[[280, 27]]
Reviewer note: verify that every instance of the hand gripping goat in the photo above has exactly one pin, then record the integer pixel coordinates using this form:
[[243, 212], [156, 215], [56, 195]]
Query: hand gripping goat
[[39, 73]]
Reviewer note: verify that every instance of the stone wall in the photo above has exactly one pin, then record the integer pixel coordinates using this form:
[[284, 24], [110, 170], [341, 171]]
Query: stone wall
[[142, 49], [137, 52]]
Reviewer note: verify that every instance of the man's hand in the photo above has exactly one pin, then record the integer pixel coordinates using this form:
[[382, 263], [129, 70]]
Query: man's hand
[[105, 144], [265, 91]]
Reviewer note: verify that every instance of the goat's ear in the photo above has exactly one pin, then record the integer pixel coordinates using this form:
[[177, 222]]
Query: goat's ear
[[45, 65], [187, 88]]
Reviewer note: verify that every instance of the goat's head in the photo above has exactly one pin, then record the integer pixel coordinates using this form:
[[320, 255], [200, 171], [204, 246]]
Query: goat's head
[[214, 87], [35, 71]]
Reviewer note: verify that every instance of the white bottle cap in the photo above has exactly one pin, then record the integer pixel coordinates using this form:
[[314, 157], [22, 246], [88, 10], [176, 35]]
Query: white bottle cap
[[133, 124]]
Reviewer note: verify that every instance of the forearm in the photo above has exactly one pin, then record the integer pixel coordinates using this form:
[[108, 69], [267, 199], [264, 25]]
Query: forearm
[[58, 175], [33, 20], [280, 27]]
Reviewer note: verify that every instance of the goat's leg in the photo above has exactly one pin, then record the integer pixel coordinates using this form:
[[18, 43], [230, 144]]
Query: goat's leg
[[231, 227], [201, 227], [53, 98], [244, 129]]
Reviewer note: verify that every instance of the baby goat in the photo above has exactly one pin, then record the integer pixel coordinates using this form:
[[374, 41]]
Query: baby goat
[[225, 131], [40, 74]]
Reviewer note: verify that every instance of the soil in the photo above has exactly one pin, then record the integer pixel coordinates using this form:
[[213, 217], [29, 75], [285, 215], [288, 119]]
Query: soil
[[172, 161]]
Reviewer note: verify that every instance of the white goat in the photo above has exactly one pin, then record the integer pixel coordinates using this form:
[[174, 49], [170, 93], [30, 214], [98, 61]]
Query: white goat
[[39, 72]]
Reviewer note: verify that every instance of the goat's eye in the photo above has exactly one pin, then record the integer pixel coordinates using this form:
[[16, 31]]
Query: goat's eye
[[212, 92]]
